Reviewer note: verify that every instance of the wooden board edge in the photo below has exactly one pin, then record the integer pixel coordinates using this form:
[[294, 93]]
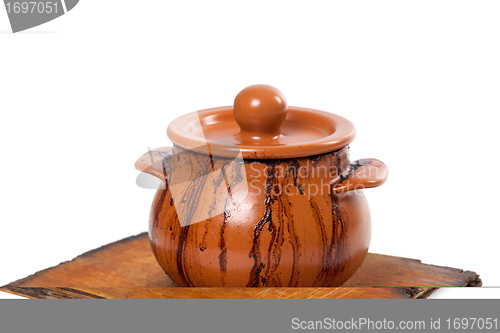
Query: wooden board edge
[[476, 281], [81, 256], [71, 293], [419, 293], [456, 270], [48, 293], [473, 281]]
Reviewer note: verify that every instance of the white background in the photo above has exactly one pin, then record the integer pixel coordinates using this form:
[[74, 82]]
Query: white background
[[83, 96]]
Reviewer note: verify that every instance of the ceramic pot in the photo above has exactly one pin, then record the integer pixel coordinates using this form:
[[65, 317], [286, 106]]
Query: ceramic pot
[[260, 194]]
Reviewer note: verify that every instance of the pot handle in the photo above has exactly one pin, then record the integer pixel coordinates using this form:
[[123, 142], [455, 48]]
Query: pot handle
[[153, 162], [364, 173]]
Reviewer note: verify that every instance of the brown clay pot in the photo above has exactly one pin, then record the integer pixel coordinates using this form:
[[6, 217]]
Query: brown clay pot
[[261, 194]]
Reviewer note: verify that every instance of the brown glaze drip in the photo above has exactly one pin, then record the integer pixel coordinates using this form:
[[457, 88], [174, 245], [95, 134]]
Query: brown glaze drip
[[335, 263], [192, 195], [294, 167], [180, 249], [266, 219], [294, 239], [203, 243], [227, 215], [159, 204], [274, 251], [326, 256], [223, 249]]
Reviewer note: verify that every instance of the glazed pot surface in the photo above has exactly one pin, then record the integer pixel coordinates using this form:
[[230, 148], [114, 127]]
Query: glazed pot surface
[[288, 229]]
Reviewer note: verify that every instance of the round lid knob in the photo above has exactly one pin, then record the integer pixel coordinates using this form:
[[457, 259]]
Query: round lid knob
[[260, 110]]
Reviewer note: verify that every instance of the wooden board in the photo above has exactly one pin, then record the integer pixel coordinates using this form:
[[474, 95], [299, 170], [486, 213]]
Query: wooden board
[[128, 269]]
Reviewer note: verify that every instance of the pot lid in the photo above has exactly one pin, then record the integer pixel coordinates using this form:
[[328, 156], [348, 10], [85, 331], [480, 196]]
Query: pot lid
[[260, 125]]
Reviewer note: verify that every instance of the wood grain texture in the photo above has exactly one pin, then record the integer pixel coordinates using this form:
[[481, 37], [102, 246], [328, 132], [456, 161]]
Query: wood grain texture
[[128, 269]]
